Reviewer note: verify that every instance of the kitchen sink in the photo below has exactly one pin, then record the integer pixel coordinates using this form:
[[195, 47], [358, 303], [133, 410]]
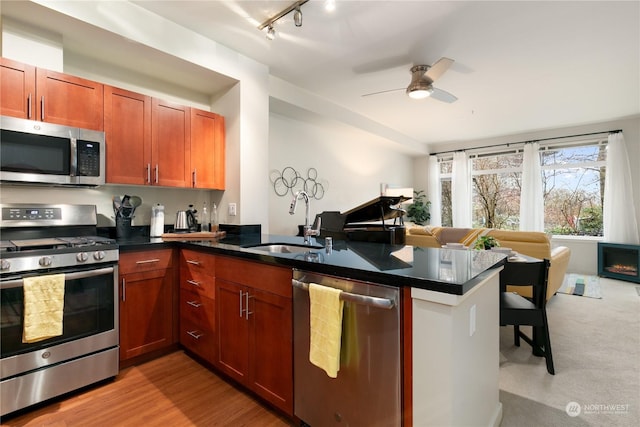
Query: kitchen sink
[[283, 248]]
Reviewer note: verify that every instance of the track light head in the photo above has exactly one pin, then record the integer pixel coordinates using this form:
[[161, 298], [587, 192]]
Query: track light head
[[297, 17], [271, 33]]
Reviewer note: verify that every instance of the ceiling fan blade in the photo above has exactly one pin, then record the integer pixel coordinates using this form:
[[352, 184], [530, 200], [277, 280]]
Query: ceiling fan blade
[[383, 91], [437, 69], [443, 95]]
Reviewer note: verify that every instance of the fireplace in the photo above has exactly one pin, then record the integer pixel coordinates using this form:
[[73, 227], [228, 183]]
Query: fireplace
[[619, 261]]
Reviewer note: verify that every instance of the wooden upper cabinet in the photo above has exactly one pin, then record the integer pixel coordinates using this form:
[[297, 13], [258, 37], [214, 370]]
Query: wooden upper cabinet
[[39, 94], [17, 89], [127, 126], [69, 100], [207, 150], [171, 144]]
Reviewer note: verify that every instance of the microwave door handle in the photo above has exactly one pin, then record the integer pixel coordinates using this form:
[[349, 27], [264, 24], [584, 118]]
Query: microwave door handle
[[17, 283], [73, 161]]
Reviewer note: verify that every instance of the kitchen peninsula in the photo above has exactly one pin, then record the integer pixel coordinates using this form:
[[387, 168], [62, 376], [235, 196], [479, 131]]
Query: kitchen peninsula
[[448, 303]]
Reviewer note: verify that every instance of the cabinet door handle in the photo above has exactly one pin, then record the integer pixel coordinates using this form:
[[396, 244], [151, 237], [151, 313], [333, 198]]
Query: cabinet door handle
[[148, 261], [124, 290], [29, 107], [194, 175], [195, 304], [148, 173], [157, 167], [195, 334], [193, 282], [246, 301], [194, 262], [42, 108]]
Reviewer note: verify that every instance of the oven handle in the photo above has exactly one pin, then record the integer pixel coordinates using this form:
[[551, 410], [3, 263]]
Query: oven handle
[[68, 276]]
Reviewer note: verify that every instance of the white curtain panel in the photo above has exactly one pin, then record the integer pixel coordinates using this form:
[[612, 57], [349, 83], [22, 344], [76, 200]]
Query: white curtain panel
[[461, 191], [531, 199], [619, 214], [435, 192]]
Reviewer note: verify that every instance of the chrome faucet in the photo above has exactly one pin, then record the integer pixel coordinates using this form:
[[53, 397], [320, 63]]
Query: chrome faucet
[[308, 231]]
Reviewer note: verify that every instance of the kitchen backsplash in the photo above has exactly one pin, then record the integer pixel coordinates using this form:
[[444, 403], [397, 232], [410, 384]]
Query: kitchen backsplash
[[173, 199]]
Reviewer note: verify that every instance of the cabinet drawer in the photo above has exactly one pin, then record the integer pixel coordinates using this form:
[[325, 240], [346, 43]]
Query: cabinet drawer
[[276, 280], [198, 282], [135, 262], [198, 340], [197, 309], [198, 261]]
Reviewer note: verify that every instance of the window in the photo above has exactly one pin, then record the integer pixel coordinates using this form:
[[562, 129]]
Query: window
[[496, 190], [573, 188]]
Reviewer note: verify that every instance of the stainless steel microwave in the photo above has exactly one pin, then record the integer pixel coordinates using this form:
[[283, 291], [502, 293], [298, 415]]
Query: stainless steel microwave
[[45, 153]]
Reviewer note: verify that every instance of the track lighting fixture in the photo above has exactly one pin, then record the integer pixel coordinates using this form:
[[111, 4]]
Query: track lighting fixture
[[271, 33], [297, 18]]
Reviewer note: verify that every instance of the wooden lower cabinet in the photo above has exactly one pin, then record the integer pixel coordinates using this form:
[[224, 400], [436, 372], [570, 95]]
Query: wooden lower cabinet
[[146, 302], [197, 304], [254, 321]]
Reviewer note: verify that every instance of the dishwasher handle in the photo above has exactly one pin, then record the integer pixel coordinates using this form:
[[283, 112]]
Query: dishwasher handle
[[367, 300]]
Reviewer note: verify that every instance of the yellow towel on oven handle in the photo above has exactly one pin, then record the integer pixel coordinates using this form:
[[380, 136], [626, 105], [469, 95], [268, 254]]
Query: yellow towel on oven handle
[[325, 328], [43, 307]]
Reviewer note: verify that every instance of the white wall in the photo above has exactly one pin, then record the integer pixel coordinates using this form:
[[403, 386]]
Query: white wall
[[349, 163]]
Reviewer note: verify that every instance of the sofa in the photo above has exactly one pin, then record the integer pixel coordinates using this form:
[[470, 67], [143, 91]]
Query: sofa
[[532, 243]]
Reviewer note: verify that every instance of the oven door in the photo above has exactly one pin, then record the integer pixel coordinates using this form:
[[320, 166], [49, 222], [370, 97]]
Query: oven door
[[90, 320]]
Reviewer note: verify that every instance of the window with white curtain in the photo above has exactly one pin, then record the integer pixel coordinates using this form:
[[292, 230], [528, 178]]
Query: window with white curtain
[[573, 187]]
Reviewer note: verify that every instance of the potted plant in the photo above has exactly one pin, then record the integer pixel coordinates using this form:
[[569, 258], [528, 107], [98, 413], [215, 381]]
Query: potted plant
[[485, 243], [418, 211]]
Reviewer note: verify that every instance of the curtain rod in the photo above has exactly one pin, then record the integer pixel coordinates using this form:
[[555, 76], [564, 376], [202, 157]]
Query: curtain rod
[[507, 144]]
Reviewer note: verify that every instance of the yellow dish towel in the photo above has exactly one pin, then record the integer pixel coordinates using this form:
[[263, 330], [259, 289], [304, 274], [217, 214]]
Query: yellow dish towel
[[326, 328], [43, 307]]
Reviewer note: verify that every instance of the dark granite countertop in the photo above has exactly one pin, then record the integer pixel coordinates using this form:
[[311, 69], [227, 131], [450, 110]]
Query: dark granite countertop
[[442, 270]]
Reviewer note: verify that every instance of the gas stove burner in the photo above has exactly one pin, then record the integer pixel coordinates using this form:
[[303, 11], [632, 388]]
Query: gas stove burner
[[55, 243], [82, 241]]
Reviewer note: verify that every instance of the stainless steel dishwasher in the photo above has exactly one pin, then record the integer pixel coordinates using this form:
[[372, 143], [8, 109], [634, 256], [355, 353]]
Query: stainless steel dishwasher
[[367, 390]]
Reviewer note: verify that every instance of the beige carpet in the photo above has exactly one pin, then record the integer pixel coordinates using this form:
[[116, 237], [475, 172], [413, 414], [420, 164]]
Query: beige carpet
[[596, 352]]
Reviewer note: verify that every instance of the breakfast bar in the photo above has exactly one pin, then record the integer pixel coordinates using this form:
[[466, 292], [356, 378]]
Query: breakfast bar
[[448, 304]]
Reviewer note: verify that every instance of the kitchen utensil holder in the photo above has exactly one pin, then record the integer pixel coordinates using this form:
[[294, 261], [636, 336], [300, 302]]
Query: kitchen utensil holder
[[123, 227]]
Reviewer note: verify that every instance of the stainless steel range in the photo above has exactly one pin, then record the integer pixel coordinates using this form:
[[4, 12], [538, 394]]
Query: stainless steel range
[[40, 243]]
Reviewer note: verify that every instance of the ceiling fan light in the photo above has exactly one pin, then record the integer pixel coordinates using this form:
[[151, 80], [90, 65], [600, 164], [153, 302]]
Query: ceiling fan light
[[419, 93], [420, 86]]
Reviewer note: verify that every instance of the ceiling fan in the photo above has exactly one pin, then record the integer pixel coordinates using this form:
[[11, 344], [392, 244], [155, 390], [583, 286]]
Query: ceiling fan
[[422, 78]]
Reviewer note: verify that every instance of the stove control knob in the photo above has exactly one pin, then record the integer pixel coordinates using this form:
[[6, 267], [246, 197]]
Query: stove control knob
[[99, 255], [82, 257], [45, 261], [5, 264]]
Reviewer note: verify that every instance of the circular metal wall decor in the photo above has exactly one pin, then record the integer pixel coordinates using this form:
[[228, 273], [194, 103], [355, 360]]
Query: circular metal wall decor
[[291, 181]]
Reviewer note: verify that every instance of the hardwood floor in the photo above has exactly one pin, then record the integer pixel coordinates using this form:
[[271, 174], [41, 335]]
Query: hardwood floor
[[173, 390]]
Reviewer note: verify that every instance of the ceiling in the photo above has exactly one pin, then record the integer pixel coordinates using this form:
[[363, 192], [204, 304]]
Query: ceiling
[[519, 66]]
